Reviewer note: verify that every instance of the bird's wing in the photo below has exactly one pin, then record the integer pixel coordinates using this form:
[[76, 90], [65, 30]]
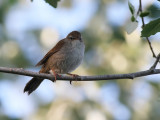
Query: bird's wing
[[51, 52]]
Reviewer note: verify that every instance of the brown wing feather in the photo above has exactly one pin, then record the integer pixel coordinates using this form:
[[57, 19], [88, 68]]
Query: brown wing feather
[[51, 52]]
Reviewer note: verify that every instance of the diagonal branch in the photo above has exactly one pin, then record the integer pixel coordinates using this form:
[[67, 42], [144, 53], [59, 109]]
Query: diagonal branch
[[156, 62], [21, 71]]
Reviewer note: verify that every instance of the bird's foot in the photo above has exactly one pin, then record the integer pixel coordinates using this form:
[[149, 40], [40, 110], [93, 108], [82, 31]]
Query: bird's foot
[[75, 76], [55, 75]]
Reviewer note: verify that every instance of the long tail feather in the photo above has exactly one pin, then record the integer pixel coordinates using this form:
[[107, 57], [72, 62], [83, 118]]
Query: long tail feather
[[32, 85]]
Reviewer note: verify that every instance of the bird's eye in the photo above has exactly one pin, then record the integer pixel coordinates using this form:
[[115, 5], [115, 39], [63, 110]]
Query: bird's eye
[[71, 37]]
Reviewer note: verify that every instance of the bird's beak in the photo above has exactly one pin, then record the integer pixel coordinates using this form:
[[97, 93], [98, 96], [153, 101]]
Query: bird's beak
[[80, 39]]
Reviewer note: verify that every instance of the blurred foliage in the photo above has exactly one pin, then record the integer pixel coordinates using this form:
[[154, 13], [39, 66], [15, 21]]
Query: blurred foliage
[[7, 118], [109, 50], [4, 7], [71, 110], [154, 11]]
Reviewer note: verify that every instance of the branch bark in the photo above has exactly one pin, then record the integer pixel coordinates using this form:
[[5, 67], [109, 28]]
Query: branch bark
[[156, 62], [21, 71]]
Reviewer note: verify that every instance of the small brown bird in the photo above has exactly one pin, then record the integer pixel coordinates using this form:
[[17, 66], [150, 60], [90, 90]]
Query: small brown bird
[[65, 57]]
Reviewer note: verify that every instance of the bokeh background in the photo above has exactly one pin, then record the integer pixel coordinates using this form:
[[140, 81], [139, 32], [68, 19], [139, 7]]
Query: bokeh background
[[28, 30]]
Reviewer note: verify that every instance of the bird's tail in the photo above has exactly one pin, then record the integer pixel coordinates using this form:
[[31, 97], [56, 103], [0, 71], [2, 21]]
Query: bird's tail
[[32, 85]]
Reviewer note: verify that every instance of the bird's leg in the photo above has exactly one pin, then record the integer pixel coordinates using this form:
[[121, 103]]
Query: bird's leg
[[55, 75], [75, 76]]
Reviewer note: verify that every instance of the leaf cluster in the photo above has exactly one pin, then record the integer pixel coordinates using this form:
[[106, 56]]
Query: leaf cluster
[[150, 28]]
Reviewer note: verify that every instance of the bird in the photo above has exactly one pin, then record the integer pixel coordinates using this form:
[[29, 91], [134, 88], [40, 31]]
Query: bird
[[63, 58]]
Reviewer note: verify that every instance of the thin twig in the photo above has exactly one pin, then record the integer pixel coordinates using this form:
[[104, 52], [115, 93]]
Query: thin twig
[[20, 71], [143, 24], [156, 62]]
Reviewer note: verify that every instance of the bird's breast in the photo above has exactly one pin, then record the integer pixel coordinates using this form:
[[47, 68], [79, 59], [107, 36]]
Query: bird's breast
[[73, 56]]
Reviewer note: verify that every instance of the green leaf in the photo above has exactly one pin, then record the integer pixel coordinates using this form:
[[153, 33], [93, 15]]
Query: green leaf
[[144, 14], [151, 28], [133, 18], [131, 8], [52, 2]]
